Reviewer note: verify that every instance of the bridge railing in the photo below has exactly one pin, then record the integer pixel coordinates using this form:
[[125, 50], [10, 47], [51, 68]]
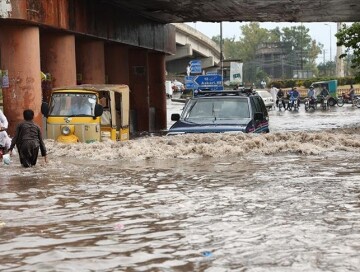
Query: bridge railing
[[340, 91]]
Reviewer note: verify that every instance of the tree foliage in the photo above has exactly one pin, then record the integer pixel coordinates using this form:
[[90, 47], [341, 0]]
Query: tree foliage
[[251, 36], [349, 37]]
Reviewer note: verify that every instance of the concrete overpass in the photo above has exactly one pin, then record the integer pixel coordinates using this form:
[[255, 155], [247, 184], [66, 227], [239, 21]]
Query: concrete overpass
[[121, 41], [192, 44], [174, 11]]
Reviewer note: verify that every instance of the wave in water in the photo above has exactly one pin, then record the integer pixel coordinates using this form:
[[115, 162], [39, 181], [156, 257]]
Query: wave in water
[[211, 145]]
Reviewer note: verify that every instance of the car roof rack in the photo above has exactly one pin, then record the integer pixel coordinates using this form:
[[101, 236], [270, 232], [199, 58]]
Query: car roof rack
[[239, 92]]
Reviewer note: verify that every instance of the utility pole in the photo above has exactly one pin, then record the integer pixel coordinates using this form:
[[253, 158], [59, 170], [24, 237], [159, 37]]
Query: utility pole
[[339, 62], [301, 52], [330, 42], [221, 55]]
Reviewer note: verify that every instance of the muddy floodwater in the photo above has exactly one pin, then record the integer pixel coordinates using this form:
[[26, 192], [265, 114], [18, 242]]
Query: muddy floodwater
[[284, 201]]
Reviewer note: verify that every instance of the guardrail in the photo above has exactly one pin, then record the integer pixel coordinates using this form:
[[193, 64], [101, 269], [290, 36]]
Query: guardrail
[[303, 92]]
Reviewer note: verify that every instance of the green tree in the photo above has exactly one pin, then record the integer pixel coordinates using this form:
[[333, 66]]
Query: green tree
[[252, 36], [230, 47], [300, 50], [326, 69], [348, 36], [298, 40]]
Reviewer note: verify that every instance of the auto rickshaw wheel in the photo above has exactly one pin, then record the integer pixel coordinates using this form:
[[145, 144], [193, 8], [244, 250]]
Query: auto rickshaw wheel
[[332, 102]]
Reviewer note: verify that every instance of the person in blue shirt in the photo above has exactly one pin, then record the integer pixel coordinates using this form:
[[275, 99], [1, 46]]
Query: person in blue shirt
[[311, 95], [311, 92], [293, 95]]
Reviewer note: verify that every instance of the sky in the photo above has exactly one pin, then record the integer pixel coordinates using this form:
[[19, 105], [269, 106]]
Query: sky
[[321, 32]]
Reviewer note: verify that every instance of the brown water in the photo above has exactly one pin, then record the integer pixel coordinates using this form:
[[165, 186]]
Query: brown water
[[285, 201]]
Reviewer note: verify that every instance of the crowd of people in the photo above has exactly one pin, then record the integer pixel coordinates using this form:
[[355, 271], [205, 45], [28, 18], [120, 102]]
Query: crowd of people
[[27, 139], [293, 94]]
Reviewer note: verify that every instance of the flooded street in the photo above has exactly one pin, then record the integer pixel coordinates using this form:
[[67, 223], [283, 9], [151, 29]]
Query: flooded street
[[285, 201]]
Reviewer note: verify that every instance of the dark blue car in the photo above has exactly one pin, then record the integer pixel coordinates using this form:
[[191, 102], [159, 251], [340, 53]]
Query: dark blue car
[[220, 112]]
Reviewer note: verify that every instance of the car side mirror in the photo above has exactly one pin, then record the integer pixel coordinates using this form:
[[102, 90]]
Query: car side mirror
[[98, 110], [258, 116], [175, 117], [45, 109]]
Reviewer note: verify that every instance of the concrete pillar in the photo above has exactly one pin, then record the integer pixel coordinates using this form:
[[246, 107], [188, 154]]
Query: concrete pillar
[[139, 86], [20, 56], [58, 58], [117, 64], [157, 92], [90, 61]]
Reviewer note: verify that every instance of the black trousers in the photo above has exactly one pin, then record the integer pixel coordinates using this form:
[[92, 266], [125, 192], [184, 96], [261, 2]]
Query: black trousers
[[28, 153]]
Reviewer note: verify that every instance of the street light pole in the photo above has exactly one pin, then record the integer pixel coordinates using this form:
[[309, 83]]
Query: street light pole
[[221, 55], [330, 41]]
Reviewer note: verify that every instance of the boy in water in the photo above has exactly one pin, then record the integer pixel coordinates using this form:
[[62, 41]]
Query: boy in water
[[28, 140]]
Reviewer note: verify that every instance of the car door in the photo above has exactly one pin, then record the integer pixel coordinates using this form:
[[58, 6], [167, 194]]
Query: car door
[[260, 115]]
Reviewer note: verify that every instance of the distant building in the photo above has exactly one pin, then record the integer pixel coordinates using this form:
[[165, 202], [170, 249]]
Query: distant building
[[275, 60]]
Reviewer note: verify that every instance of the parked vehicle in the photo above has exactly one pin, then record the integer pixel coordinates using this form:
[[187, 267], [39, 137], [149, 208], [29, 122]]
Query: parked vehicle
[[169, 89], [103, 113], [221, 111], [331, 86], [267, 98]]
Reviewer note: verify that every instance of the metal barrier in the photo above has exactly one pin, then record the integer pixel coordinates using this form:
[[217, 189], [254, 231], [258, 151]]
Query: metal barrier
[[303, 92]]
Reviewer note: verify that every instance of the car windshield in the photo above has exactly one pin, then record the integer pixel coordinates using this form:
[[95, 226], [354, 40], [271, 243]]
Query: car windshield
[[72, 104], [216, 108]]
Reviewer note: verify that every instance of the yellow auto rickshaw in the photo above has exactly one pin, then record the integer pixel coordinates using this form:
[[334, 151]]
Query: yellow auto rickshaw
[[88, 113]]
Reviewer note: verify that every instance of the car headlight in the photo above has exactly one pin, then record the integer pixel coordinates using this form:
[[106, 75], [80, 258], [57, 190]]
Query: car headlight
[[65, 130]]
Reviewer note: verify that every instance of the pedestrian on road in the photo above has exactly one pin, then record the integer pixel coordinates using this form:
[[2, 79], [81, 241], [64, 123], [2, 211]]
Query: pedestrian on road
[[28, 140], [5, 140]]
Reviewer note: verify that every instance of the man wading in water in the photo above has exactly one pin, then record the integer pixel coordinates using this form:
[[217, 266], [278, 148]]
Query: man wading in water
[[28, 140]]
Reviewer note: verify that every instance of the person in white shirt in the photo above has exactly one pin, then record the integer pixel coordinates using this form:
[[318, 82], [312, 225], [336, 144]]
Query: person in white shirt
[[5, 140], [274, 92]]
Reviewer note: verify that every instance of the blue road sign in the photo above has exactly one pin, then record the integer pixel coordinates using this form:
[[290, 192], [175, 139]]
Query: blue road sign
[[195, 67], [211, 82]]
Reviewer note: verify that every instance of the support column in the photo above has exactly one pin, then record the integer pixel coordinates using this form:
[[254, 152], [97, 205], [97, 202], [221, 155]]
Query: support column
[[20, 56], [90, 61], [117, 64], [139, 86], [58, 58], [157, 92]]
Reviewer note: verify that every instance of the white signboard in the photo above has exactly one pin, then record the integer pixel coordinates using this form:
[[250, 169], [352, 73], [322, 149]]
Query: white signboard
[[236, 72]]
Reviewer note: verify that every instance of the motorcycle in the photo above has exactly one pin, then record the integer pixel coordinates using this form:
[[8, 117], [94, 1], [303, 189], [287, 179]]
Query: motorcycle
[[289, 105], [324, 103], [295, 105], [280, 103], [310, 103], [345, 99]]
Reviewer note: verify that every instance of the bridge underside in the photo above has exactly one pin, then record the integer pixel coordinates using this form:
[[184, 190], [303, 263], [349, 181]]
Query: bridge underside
[[174, 11]]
